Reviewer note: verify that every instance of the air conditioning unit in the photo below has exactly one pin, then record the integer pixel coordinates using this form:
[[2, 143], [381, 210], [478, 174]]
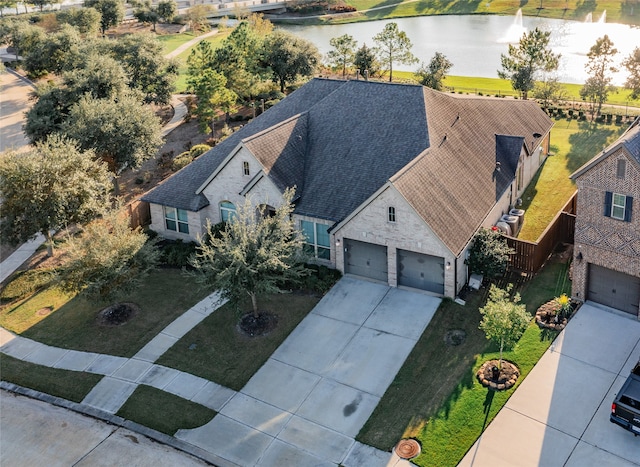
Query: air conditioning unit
[[504, 228], [512, 222], [519, 213]]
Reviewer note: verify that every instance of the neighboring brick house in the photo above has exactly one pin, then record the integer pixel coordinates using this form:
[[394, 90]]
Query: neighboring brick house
[[606, 266], [392, 181]]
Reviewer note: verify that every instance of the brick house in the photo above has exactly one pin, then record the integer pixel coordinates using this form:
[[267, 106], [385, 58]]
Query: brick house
[[606, 267], [392, 181]]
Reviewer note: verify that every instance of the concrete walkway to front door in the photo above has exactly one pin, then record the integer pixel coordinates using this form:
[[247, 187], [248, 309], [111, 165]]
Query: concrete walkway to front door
[[308, 402]]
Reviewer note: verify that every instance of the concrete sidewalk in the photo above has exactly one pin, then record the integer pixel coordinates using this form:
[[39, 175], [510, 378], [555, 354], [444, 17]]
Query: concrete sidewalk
[[559, 415]]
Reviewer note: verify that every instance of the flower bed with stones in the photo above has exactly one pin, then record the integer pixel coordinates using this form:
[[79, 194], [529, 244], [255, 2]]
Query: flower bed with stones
[[505, 378]]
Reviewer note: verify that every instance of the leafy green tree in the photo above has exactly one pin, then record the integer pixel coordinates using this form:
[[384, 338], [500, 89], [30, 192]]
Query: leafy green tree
[[108, 259], [123, 132], [49, 188], [366, 62], [343, 53], [433, 75], [167, 10], [632, 64], [111, 12], [201, 58], [147, 14], [525, 61], [197, 18], [213, 97], [146, 67], [85, 20], [288, 57], [393, 46], [8, 4], [504, 320], [549, 91], [42, 3], [21, 35], [489, 253], [600, 66], [253, 255], [50, 56]]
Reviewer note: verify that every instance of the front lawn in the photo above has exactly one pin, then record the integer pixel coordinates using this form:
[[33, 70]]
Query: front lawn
[[435, 396], [73, 324], [216, 351]]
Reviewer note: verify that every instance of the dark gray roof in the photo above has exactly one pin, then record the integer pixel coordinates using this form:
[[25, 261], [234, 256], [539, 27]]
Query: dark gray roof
[[629, 140], [508, 149], [179, 190]]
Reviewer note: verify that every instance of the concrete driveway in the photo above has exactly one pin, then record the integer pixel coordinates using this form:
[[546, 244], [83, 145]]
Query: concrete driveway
[[310, 399], [559, 416]]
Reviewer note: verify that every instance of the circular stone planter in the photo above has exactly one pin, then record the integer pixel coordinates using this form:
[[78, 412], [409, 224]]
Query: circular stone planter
[[407, 448], [501, 381], [546, 314]]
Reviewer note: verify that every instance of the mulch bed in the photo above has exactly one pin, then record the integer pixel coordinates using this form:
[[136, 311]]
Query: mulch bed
[[251, 326], [117, 314], [505, 379]]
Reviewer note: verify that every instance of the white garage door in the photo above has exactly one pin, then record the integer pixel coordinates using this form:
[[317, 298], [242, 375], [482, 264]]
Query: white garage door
[[365, 259], [421, 271], [614, 289]]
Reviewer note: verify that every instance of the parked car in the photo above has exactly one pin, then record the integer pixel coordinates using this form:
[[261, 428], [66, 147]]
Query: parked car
[[625, 410]]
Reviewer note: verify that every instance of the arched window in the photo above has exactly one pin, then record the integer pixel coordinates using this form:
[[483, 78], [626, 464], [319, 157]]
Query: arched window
[[227, 211]]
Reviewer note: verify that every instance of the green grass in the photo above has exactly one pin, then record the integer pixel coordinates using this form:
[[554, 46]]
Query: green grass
[[164, 296], [171, 42], [573, 143], [164, 412], [575, 9], [225, 356], [69, 385], [435, 396], [215, 41]]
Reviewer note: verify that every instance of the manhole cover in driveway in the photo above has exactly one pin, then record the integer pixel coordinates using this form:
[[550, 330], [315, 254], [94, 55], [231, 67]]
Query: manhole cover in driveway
[[407, 448]]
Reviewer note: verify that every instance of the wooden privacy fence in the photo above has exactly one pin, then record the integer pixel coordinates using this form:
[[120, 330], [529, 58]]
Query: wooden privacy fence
[[530, 256], [139, 213]]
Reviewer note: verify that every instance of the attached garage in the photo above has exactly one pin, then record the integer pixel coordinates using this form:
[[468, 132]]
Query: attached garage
[[614, 289], [365, 259], [421, 271]]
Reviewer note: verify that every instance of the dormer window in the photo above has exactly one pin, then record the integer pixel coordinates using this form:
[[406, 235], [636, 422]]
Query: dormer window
[[621, 168], [392, 214], [245, 168]]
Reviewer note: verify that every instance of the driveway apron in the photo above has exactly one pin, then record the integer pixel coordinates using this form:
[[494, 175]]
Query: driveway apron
[[310, 399]]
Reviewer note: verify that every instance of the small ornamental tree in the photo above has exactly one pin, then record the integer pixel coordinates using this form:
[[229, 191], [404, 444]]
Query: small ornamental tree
[[253, 255], [503, 320], [108, 259], [489, 254]]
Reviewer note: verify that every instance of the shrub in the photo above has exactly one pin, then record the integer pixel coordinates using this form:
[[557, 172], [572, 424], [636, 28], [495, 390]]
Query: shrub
[[25, 283], [320, 278], [181, 160], [175, 253], [198, 150]]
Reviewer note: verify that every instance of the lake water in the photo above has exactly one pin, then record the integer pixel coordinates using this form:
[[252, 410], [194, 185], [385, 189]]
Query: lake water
[[474, 43]]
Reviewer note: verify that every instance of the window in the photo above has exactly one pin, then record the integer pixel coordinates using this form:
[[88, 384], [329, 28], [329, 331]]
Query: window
[[317, 239], [621, 168], [245, 168], [618, 206], [227, 211], [176, 220], [392, 214]]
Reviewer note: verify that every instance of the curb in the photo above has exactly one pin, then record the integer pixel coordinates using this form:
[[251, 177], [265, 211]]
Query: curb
[[112, 419]]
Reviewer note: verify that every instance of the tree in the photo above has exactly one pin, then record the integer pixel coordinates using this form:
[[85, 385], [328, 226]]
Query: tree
[[123, 132], [108, 259], [50, 56], [253, 255], [85, 20], [503, 320], [549, 91], [366, 61], [523, 63], [167, 10], [197, 18], [393, 46], [489, 254], [48, 188], [288, 57], [213, 97], [599, 68], [146, 67], [147, 14], [21, 35], [111, 11], [433, 74], [7, 4], [343, 53], [41, 3], [632, 64]]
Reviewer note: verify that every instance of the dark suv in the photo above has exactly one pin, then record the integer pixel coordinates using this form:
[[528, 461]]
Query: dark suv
[[625, 410]]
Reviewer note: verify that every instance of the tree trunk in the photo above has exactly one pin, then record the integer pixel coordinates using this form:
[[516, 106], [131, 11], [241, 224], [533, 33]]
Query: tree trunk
[[49, 238], [390, 70], [116, 186], [254, 304], [501, 345]]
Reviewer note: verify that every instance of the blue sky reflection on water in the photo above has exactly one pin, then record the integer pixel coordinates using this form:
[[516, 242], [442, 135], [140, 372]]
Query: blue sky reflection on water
[[473, 43]]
